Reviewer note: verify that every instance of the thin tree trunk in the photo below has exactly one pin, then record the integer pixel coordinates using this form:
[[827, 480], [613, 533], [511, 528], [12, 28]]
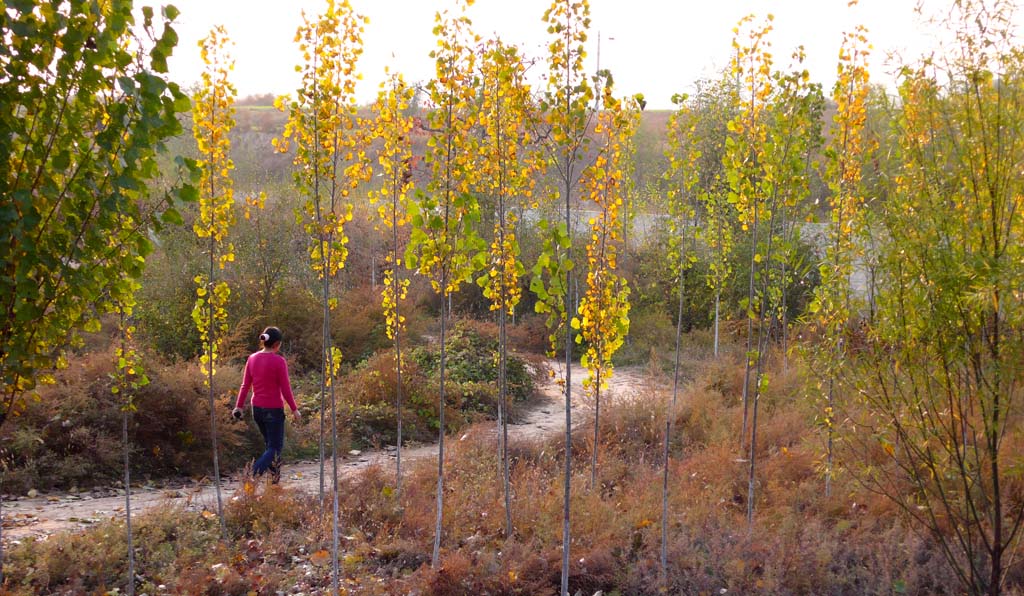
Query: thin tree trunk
[[335, 515], [750, 329], [718, 283], [436, 557], [785, 335], [762, 342], [325, 263], [503, 379], [668, 434], [397, 281], [568, 439], [830, 401], [783, 316], [435, 560], [753, 447], [503, 339], [329, 349], [993, 442], [503, 415], [597, 390], [597, 429], [762, 345], [127, 473], [567, 479], [568, 303], [213, 413], [127, 502], [718, 302], [325, 359], [398, 389]]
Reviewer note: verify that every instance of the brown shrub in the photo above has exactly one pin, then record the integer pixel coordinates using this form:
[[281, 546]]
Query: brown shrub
[[258, 508], [72, 434], [529, 335], [783, 428], [724, 376]]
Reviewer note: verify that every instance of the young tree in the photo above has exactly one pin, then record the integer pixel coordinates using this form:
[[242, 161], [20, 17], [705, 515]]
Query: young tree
[[846, 154], [128, 378], [507, 171], [394, 127], [330, 162], [752, 66], [603, 315], [684, 174], [792, 121], [443, 243], [938, 383], [212, 120], [566, 107], [697, 143], [86, 108]]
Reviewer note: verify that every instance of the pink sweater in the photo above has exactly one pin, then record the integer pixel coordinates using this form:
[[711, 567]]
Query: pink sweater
[[267, 374]]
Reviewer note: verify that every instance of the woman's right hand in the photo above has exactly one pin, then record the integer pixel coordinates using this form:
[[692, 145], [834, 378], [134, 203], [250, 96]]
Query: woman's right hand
[[237, 413]]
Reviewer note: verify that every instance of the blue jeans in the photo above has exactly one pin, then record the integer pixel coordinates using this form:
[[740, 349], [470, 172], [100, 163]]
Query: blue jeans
[[271, 424]]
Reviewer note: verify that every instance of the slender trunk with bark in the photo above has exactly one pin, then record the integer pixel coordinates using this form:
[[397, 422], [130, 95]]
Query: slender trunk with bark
[[212, 404], [718, 304], [762, 345], [127, 473], [324, 360], [127, 502], [567, 481], [669, 413], [503, 417], [828, 424], [718, 283], [503, 342], [783, 315], [438, 524], [750, 328], [397, 280], [597, 430], [567, 305], [503, 384], [335, 514], [436, 556]]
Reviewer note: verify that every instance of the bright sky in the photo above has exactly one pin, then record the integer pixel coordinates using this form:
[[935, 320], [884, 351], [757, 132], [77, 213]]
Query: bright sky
[[654, 47]]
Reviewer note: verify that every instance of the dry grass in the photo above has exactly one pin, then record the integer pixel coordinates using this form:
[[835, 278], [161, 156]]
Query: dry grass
[[71, 435], [800, 541]]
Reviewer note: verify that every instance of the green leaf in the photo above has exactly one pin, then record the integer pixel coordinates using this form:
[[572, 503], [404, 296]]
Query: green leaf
[[172, 217]]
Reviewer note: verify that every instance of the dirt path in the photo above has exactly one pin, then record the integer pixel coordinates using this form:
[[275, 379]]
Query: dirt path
[[43, 515]]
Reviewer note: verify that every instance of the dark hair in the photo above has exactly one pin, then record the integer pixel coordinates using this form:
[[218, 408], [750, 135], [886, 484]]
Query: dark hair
[[270, 337]]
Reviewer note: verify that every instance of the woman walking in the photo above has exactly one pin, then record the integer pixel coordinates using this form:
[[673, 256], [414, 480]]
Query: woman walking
[[266, 373]]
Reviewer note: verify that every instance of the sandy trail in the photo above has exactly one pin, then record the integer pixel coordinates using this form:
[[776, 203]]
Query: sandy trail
[[57, 512]]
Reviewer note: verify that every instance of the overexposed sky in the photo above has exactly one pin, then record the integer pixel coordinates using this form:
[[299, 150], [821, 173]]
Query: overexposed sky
[[654, 47]]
